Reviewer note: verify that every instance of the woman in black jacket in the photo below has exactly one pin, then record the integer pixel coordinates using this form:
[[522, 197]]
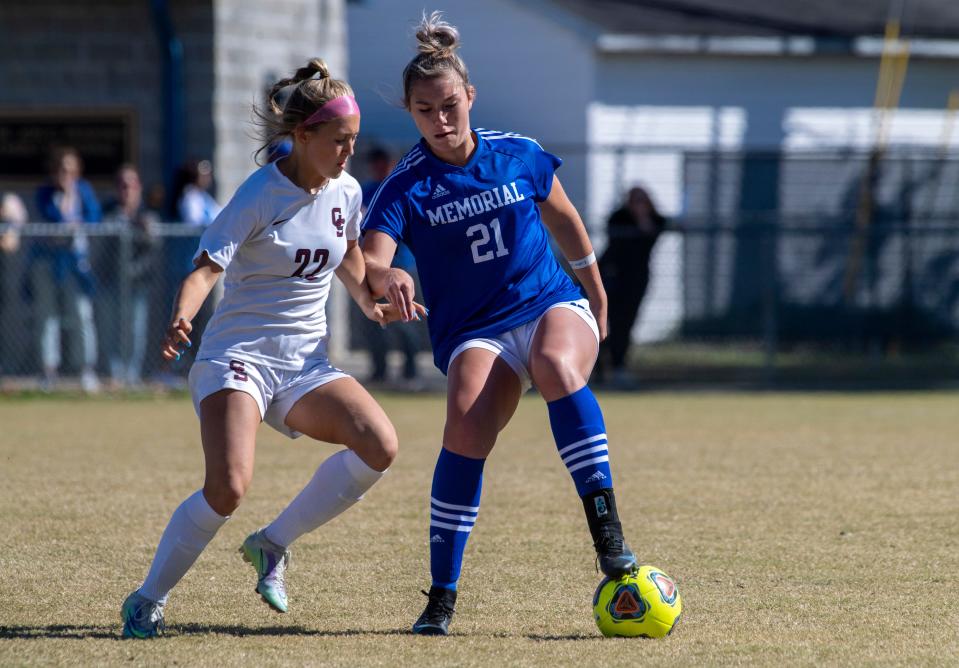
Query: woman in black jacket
[[632, 231]]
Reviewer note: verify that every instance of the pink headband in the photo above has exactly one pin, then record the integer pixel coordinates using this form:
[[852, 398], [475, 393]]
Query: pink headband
[[345, 105]]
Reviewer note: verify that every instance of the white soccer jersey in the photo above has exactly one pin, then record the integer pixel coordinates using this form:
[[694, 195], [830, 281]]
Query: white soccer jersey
[[279, 246]]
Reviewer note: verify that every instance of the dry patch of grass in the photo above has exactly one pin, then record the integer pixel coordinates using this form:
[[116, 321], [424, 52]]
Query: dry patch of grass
[[802, 529]]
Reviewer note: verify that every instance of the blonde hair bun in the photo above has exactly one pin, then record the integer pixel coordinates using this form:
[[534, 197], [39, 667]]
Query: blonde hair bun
[[436, 55], [436, 37], [318, 67]]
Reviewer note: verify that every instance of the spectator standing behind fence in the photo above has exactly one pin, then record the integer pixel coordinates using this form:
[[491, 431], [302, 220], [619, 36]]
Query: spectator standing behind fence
[[632, 231], [195, 204], [196, 207], [13, 216], [140, 272], [13, 213], [60, 281], [376, 338]]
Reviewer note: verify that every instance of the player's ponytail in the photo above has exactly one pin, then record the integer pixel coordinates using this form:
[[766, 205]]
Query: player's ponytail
[[292, 100], [437, 43]]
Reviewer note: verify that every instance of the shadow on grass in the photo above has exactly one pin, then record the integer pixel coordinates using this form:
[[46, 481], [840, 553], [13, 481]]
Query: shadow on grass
[[571, 636], [240, 631], [70, 631], [80, 631]]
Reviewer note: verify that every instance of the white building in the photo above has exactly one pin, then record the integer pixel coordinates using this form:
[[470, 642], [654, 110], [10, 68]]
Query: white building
[[589, 78]]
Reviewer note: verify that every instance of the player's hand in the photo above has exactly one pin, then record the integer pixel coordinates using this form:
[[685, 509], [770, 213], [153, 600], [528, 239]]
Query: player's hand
[[598, 308], [177, 339], [384, 314], [400, 291]]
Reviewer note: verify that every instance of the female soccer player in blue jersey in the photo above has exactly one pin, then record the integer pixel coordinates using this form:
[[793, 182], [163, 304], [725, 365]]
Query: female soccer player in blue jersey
[[289, 228], [474, 206]]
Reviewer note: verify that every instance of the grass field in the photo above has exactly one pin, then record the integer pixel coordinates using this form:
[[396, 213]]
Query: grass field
[[803, 529]]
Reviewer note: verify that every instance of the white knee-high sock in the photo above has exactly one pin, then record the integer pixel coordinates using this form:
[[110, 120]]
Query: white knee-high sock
[[191, 528], [341, 481]]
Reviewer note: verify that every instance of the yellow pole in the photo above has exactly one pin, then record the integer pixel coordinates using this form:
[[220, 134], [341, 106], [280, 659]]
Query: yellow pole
[[892, 75], [893, 64], [891, 35], [949, 121]]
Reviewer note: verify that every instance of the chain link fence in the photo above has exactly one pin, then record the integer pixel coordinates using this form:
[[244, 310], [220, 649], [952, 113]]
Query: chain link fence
[[774, 264], [90, 298]]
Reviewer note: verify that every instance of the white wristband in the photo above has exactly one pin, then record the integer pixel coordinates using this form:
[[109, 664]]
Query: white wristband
[[585, 262]]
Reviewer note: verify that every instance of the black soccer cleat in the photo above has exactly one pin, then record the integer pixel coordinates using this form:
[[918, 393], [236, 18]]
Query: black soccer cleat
[[435, 620], [613, 556]]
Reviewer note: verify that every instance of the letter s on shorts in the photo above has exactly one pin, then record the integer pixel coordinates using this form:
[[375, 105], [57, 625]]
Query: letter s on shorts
[[239, 370]]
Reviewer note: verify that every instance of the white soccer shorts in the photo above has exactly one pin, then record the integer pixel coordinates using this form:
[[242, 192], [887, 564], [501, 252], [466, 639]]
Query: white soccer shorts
[[274, 390], [514, 346]]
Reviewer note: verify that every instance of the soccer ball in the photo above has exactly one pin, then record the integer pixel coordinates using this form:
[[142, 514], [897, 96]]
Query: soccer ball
[[645, 603]]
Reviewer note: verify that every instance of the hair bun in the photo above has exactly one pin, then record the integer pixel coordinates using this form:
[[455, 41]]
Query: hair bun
[[436, 37], [319, 68]]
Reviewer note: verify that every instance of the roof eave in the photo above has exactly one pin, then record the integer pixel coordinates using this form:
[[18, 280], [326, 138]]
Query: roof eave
[[793, 45]]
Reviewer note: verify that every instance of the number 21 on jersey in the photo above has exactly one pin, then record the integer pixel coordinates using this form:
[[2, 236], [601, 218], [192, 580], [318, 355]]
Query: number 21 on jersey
[[479, 234]]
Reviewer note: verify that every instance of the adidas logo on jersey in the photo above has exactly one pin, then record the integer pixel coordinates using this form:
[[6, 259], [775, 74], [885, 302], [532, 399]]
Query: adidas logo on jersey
[[596, 477], [440, 191], [437, 538]]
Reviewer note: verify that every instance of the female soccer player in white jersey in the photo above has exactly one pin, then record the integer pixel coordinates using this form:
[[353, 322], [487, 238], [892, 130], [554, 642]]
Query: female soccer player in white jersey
[[290, 226], [474, 206]]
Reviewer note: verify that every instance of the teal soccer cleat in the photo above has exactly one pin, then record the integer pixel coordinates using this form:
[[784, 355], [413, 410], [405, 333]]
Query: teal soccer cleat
[[142, 618], [270, 561]]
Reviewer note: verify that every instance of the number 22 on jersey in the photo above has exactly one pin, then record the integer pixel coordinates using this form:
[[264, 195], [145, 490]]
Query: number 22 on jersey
[[481, 239], [320, 255]]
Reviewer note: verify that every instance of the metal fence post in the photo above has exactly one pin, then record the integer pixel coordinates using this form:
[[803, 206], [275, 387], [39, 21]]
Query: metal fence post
[[125, 236], [770, 294]]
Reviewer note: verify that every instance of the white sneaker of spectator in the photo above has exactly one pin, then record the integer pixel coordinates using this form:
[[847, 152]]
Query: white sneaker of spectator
[[89, 382]]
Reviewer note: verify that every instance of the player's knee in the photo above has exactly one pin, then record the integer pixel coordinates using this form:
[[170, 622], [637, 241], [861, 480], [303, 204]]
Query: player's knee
[[224, 502], [388, 445], [555, 372], [379, 447], [467, 437], [224, 495]]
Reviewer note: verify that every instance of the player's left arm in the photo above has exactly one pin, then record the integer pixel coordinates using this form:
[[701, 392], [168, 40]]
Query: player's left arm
[[352, 273], [563, 222]]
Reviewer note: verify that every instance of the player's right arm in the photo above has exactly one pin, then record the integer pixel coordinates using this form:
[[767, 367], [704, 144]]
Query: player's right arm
[[220, 241], [385, 223], [189, 298], [386, 281]]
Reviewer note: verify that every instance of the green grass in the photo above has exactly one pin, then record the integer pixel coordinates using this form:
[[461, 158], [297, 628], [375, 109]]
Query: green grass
[[803, 529]]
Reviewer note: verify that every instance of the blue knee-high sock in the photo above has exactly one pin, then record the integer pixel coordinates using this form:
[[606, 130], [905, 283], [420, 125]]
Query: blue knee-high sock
[[580, 435], [457, 483]]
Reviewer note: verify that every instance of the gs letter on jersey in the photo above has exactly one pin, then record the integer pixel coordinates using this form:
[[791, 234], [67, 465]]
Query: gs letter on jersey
[[338, 221]]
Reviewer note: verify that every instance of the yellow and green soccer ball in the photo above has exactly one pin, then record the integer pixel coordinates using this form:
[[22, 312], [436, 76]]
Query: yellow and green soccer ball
[[645, 603]]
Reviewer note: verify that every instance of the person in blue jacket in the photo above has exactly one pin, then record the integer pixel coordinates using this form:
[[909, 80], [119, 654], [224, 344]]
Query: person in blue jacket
[[476, 208], [60, 280]]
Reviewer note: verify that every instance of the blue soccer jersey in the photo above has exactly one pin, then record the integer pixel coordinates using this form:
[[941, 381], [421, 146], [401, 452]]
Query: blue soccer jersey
[[481, 249]]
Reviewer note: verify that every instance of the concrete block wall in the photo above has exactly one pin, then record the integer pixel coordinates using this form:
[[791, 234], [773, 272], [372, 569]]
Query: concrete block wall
[[255, 44], [104, 54]]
